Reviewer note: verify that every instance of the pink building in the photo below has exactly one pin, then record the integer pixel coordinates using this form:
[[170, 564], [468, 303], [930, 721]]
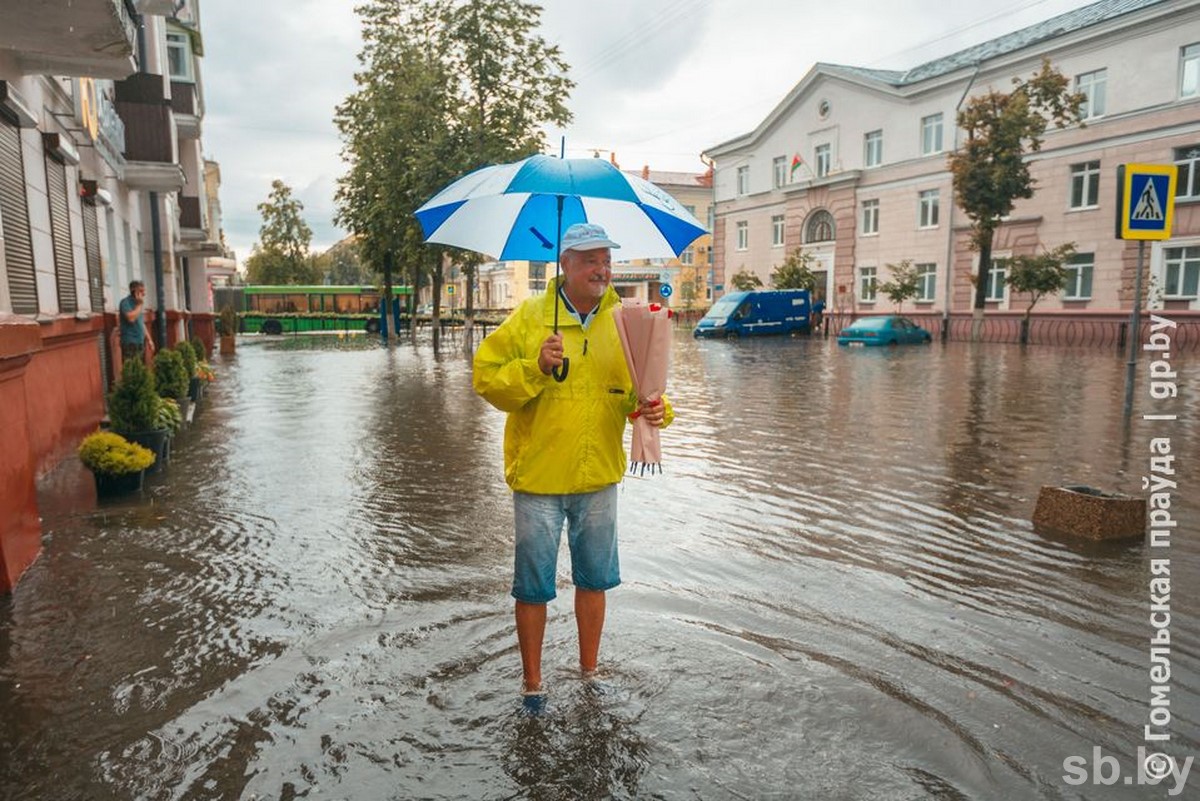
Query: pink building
[[851, 167]]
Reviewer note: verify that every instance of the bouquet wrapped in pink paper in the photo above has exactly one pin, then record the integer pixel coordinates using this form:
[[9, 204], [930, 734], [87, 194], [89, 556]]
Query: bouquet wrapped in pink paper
[[645, 332]]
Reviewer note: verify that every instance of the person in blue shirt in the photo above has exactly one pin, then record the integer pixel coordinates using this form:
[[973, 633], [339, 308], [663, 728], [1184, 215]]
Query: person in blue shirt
[[135, 337]]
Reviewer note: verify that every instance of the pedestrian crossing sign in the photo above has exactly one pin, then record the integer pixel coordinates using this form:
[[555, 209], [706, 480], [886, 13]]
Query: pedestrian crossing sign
[[1145, 200]]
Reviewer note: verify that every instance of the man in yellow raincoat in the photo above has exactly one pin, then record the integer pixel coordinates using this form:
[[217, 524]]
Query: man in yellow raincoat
[[563, 449]]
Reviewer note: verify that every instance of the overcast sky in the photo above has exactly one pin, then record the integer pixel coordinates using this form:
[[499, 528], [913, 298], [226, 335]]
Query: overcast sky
[[658, 81]]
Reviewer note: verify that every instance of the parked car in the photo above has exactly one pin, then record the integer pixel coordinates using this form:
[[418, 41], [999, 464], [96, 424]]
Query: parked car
[[888, 329], [744, 314]]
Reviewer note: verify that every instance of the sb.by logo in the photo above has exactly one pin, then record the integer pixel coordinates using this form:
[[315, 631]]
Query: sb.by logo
[[1106, 770]]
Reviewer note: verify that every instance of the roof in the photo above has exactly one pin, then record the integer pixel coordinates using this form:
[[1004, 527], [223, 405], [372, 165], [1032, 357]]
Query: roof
[[664, 178]]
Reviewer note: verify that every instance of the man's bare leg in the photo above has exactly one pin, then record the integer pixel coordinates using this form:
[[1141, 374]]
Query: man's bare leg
[[589, 616], [531, 629]]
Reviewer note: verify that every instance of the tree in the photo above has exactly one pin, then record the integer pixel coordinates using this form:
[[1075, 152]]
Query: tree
[[342, 265], [281, 255], [691, 286], [1038, 275], [989, 170], [744, 280], [795, 272], [904, 283]]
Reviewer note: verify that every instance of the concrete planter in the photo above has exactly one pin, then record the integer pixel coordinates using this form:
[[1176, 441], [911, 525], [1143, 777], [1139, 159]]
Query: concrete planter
[[1090, 513]]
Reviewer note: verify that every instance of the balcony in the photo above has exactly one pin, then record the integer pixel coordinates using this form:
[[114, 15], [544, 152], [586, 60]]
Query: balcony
[[151, 150], [191, 220], [185, 102], [95, 38]]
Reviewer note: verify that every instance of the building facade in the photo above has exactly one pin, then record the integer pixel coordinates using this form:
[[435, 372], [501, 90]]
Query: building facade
[[101, 182], [851, 169]]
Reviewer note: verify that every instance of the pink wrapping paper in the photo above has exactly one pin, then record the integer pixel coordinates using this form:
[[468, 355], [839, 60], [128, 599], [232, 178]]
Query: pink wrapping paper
[[645, 332]]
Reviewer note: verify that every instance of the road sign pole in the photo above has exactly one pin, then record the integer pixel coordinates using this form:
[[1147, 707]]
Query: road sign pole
[[1135, 323]]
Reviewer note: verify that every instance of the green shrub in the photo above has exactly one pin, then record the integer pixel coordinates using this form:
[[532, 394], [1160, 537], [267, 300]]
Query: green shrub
[[132, 403], [111, 454], [168, 415], [199, 349], [228, 324], [170, 376], [188, 354]]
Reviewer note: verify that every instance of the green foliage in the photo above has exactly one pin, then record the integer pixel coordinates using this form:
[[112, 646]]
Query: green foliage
[[188, 354], [228, 325], [743, 280], [170, 375], [108, 453], [444, 88], [691, 287], [281, 255], [343, 266], [904, 283], [989, 171], [198, 349], [132, 402], [168, 415], [795, 272], [1039, 275]]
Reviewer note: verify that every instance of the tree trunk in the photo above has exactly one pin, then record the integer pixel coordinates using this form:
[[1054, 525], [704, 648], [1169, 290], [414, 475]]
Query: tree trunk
[[981, 282], [385, 311], [469, 309], [436, 271]]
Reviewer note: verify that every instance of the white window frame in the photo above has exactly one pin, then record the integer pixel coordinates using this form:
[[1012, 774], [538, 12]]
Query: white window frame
[[1187, 262], [1079, 265], [777, 230], [1085, 176], [996, 279], [743, 180], [931, 134], [928, 208], [1189, 70], [779, 171], [182, 41], [1187, 159], [1094, 86], [873, 148], [868, 284], [926, 282], [743, 235], [687, 256], [870, 217], [823, 159]]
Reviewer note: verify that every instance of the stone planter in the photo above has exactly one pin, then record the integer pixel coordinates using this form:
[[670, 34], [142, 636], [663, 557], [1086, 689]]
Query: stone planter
[[1090, 513], [228, 345], [109, 485]]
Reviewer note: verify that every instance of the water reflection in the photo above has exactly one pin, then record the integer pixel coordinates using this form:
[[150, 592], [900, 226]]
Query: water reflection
[[834, 592]]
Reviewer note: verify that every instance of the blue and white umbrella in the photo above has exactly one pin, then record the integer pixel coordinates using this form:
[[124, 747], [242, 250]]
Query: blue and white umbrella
[[511, 212]]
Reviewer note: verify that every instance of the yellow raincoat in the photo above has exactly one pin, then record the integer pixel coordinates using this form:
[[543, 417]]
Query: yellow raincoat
[[559, 438]]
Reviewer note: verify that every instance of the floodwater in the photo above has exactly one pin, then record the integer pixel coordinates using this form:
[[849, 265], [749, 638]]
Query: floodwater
[[834, 592]]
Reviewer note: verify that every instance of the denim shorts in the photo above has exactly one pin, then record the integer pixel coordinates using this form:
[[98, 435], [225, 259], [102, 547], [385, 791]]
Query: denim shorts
[[591, 519]]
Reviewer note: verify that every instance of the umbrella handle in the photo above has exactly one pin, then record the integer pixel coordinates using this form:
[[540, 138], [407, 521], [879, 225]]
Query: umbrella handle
[[561, 376]]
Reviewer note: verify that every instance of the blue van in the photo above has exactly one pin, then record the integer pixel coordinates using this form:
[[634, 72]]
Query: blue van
[[748, 314]]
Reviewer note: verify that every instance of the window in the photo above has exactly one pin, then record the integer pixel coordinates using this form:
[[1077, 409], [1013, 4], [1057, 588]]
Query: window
[[931, 134], [1183, 272], [179, 56], [1187, 159], [686, 257], [743, 180], [929, 209], [873, 149], [1079, 276], [1091, 84], [690, 209], [926, 281], [743, 235], [777, 231], [870, 217], [995, 279], [823, 160], [14, 217], [1189, 73], [866, 284], [779, 170], [820, 227], [1085, 185]]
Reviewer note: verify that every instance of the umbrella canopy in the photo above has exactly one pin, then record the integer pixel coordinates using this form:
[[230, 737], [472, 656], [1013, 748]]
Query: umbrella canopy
[[511, 211]]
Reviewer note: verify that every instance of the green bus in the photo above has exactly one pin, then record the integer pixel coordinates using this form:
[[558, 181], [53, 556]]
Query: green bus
[[295, 309]]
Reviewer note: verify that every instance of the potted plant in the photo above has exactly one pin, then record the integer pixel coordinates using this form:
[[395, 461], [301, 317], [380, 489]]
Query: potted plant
[[196, 385], [171, 377], [228, 327], [118, 465], [188, 354], [133, 410]]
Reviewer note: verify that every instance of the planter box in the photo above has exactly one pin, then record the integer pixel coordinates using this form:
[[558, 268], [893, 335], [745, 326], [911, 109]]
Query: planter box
[[108, 486], [195, 390], [159, 443], [1090, 513], [228, 345]]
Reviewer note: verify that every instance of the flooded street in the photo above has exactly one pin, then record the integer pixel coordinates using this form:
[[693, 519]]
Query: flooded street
[[834, 592]]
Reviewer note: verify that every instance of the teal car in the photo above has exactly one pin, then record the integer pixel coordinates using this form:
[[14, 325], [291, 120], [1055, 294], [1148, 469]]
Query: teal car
[[889, 329]]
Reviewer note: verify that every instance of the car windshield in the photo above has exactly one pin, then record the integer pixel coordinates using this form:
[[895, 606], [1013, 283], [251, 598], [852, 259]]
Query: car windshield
[[869, 324], [723, 308]]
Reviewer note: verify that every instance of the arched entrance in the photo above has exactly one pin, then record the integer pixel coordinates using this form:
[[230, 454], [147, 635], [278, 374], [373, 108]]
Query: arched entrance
[[820, 235]]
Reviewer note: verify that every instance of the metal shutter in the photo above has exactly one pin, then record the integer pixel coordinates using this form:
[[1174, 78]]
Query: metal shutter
[[14, 217], [60, 227], [91, 246]]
